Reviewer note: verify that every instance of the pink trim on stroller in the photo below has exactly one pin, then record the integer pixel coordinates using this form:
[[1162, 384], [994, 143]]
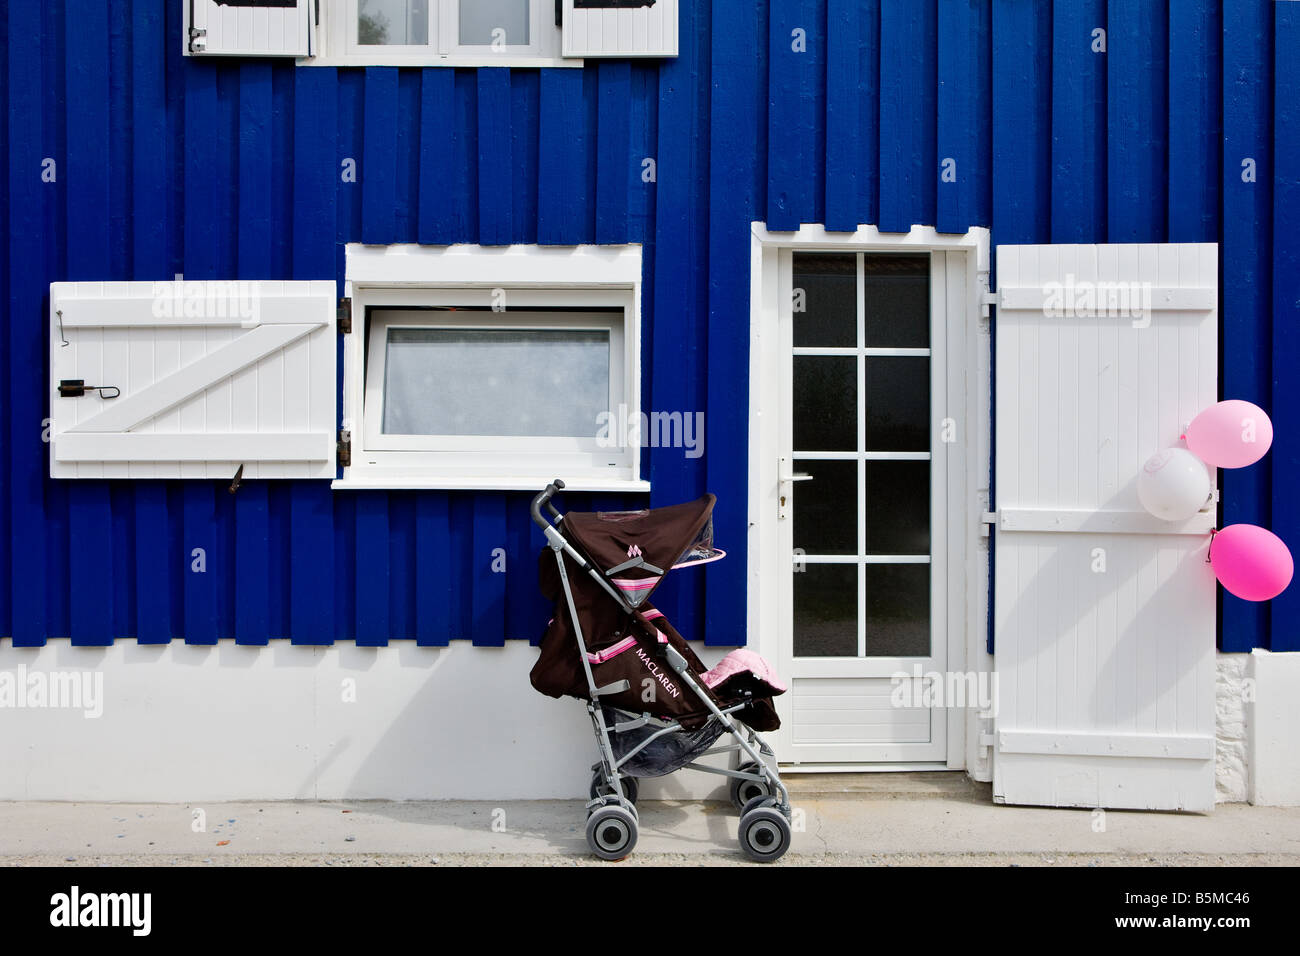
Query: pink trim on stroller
[[654, 614], [599, 657], [636, 584], [717, 554]]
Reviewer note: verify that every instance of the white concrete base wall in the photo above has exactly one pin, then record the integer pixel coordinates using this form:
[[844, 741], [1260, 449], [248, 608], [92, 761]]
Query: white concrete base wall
[[1257, 729], [1231, 783], [182, 723], [1273, 728]]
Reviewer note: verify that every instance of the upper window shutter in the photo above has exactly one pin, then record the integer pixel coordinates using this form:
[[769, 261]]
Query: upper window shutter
[[619, 28], [192, 379], [249, 27], [1104, 615]]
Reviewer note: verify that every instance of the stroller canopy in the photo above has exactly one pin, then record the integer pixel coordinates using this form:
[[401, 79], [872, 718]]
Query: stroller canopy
[[636, 549], [623, 640]]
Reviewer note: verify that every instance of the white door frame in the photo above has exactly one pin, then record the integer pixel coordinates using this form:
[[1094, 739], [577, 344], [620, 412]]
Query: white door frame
[[968, 734]]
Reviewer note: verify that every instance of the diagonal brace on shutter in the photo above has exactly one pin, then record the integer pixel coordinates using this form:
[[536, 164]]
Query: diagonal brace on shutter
[[133, 410]]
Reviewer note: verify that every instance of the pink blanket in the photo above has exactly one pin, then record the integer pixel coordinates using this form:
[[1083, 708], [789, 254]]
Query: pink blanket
[[741, 661]]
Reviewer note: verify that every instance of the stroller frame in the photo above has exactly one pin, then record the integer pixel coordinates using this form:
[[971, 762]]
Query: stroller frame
[[745, 739]]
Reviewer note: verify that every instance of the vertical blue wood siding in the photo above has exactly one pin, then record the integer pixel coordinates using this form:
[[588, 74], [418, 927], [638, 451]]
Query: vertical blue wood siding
[[834, 111]]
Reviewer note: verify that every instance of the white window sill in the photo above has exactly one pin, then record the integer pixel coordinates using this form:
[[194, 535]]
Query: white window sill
[[484, 483], [517, 60]]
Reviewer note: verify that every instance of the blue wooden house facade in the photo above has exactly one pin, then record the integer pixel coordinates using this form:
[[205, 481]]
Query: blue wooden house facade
[[124, 159]]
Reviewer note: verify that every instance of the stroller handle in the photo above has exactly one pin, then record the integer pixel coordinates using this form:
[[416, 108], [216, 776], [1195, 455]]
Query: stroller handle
[[544, 500]]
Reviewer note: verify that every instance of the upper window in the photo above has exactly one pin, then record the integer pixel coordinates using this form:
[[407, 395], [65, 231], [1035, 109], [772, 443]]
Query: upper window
[[453, 32], [468, 33]]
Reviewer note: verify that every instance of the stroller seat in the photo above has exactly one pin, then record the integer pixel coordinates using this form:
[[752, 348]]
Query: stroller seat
[[655, 708]]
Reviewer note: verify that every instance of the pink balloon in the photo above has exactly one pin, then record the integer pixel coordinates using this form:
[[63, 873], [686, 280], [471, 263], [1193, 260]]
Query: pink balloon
[[1231, 434], [1251, 562]]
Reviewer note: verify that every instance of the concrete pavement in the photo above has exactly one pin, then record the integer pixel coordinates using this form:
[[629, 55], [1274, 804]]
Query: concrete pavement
[[893, 819]]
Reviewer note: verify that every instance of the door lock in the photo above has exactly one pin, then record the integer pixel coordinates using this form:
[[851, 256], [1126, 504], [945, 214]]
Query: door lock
[[785, 477]]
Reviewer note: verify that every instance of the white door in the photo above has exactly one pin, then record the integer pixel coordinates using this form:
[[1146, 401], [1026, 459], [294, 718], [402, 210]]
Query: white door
[[862, 514], [1104, 616]]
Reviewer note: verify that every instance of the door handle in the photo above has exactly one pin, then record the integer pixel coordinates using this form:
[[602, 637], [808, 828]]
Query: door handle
[[784, 473], [786, 477]]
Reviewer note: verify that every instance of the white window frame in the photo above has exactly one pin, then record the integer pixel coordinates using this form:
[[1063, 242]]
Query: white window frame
[[523, 278], [337, 45]]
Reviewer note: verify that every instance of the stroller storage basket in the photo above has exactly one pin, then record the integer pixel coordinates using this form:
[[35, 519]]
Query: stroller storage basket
[[660, 755]]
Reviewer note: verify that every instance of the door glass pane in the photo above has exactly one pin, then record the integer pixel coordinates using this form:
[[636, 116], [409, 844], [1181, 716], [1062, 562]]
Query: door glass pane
[[898, 403], [825, 403], [826, 611], [495, 381], [825, 300], [896, 293], [898, 610], [897, 506], [825, 509], [393, 22], [480, 19]]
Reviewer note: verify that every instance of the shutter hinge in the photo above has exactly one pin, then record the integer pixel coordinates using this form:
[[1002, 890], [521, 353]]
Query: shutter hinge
[[986, 731], [198, 40], [345, 448], [344, 315], [987, 298], [987, 520]]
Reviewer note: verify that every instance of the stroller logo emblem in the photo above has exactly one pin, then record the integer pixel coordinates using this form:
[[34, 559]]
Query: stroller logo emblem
[[634, 551]]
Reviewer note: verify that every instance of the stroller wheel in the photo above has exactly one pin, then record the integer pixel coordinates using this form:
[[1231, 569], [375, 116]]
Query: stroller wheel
[[764, 834], [759, 801], [600, 789], [743, 791], [611, 832]]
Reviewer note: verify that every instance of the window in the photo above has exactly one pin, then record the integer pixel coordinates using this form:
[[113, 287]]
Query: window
[[450, 32], [478, 379], [491, 367], [471, 33]]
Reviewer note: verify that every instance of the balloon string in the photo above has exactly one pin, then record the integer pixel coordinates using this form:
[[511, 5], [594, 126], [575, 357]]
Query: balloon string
[[1210, 549]]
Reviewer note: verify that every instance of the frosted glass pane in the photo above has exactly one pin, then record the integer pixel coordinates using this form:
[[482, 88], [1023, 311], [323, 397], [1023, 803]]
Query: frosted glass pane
[[479, 18], [826, 611], [495, 382], [389, 22]]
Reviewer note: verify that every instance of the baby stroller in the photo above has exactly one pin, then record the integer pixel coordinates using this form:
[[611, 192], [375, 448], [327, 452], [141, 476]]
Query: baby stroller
[[653, 705]]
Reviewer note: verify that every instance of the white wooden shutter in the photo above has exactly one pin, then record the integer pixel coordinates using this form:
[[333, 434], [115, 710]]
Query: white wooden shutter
[[619, 28], [249, 27], [1104, 616], [211, 376]]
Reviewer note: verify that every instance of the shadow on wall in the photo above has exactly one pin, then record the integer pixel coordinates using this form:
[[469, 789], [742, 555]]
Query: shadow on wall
[[184, 723], [467, 726], [1126, 581]]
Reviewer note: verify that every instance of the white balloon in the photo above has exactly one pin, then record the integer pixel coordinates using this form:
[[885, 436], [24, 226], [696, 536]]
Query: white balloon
[[1173, 484]]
